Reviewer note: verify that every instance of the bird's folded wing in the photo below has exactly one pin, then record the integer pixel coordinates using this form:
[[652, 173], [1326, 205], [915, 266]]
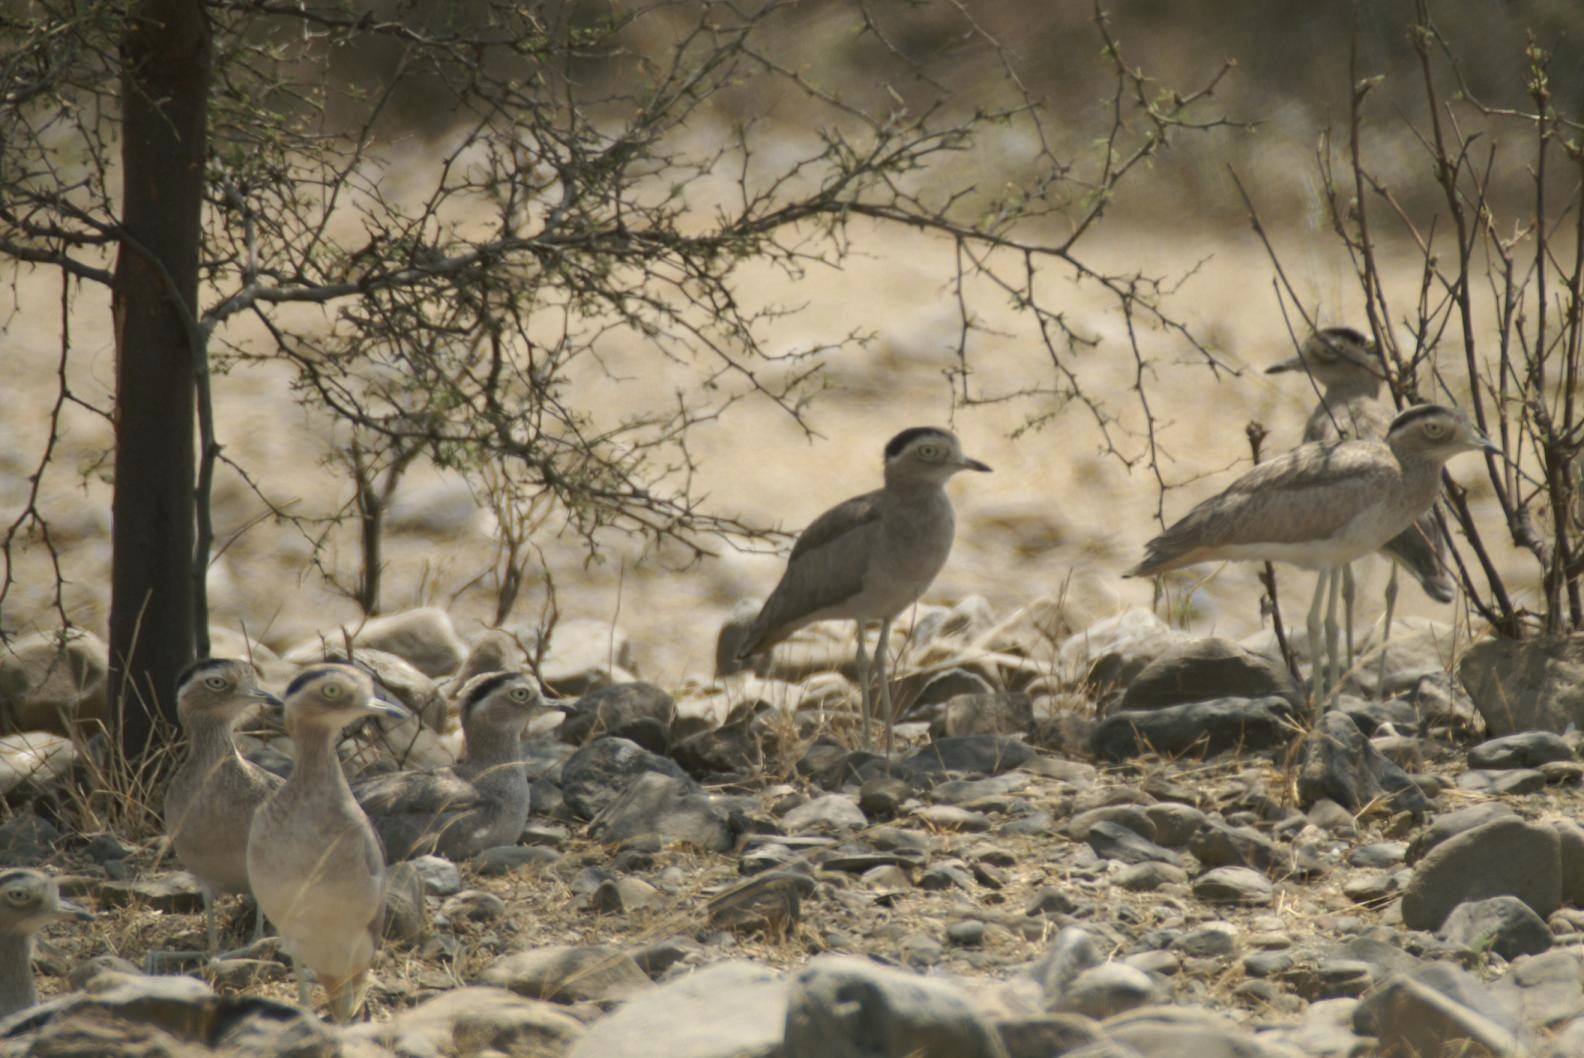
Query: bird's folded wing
[[1310, 493], [418, 792], [828, 562]]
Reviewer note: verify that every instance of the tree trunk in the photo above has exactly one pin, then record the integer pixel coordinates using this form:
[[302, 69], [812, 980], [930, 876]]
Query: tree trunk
[[164, 88]]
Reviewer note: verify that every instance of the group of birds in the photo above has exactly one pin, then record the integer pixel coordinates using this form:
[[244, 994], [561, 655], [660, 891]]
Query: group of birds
[[1364, 480], [312, 848]]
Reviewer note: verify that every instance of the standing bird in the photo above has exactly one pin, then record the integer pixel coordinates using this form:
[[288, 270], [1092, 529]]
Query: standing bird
[[1349, 370], [1321, 506], [483, 801], [869, 558], [313, 860], [29, 900], [211, 799]]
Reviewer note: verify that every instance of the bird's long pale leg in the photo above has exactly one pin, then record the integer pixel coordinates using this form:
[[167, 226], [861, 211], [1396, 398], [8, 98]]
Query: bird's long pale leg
[[1316, 645], [1332, 632], [1349, 590], [885, 681], [209, 920], [863, 684], [258, 922], [1391, 605], [304, 989]]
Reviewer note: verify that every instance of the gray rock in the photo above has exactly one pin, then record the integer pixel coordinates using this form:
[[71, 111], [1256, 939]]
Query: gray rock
[[1072, 952], [1110, 988], [1340, 764], [1504, 857], [170, 892], [1112, 841], [565, 973], [1179, 1031], [988, 713], [503, 859], [1217, 845], [970, 754], [440, 876], [1409, 1017], [1528, 685], [424, 636], [670, 808], [840, 1006], [1547, 990], [473, 905], [51, 680], [1045, 1035], [656, 958], [942, 687], [27, 840], [1450, 824], [882, 797], [471, 1020], [1147, 877], [37, 760], [1233, 885], [597, 774], [1131, 816], [732, 1009], [1378, 854], [1200, 729], [406, 914], [1513, 782], [1526, 749], [1570, 848], [1175, 824], [1211, 940], [1201, 670], [639, 712], [1502, 924], [830, 814]]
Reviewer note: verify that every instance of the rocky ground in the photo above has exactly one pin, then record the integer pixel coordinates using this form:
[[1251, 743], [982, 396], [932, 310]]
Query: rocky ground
[[1126, 842]]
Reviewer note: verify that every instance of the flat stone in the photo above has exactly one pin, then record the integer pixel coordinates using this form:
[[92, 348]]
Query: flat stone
[[1525, 749], [1511, 783], [1211, 940], [1149, 876], [172, 892], [970, 754], [953, 817], [1200, 670], [1504, 857], [565, 973], [734, 1009], [830, 814], [1200, 729], [503, 859], [51, 680], [1233, 885], [1216, 844], [1112, 841]]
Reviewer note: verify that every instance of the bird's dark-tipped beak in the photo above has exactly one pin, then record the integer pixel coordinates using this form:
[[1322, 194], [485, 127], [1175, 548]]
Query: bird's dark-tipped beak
[[69, 909], [275, 704], [1293, 364], [974, 464], [1487, 445], [388, 709]]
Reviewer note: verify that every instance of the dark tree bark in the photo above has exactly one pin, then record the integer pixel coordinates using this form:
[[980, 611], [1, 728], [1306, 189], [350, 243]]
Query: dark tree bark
[[165, 85]]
